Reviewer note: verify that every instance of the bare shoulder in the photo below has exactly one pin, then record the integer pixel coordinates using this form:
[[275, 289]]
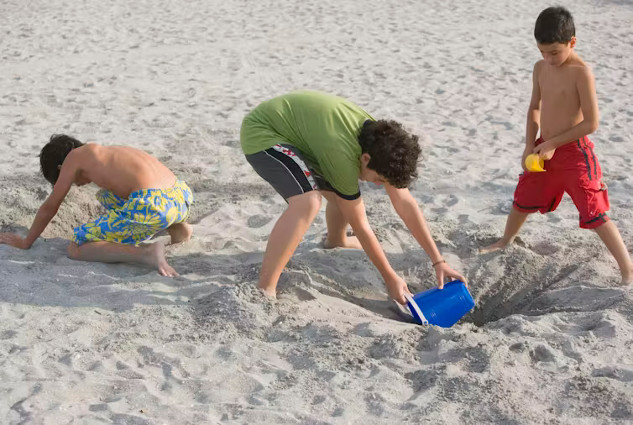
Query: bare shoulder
[[83, 157], [87, 150], [583, 74], [538, 66], [584, 71]]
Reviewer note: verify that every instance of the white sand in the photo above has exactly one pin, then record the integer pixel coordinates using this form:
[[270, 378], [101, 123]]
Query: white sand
[[551, 339]]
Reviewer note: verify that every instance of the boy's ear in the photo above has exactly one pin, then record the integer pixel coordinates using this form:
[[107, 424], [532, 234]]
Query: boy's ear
[[365, 158], [572, 42]]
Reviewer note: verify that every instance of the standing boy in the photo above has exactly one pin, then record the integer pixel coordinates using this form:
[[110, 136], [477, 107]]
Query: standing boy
[[309, 144], [141, 195], [565, 109]]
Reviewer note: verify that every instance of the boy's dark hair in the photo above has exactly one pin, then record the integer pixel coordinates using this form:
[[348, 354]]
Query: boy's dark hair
[[53, 154], [394, 152], [554, 25]]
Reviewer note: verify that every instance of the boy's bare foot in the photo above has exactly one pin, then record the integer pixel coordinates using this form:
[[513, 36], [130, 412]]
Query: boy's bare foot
[[155, 256], [500, 244], [180, 232], [350, 242], [268, 292]]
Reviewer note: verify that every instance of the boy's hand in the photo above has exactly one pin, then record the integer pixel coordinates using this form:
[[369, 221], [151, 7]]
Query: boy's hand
[[443, 271], [13, 240], [525, 154], [545, 150], [396, 288]]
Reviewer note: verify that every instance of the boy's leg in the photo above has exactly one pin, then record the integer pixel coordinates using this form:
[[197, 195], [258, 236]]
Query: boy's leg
[[540, 192], [180, 232], [285, 237], [182, 198], [337, 226], [110, 252], [513, 225], [610, 235]]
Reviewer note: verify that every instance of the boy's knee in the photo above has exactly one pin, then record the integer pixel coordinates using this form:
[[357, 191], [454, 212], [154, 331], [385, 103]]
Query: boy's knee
[[311, 201], [73, 250]]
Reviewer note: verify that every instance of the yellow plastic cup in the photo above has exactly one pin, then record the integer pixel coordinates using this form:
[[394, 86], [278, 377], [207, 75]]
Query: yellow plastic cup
[[534, 163]]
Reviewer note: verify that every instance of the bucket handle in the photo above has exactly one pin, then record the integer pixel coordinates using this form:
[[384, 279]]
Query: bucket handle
[[416, 308]]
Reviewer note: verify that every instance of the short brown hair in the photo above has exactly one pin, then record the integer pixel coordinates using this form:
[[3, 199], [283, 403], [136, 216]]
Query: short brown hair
[[54, 153], [394, 152]]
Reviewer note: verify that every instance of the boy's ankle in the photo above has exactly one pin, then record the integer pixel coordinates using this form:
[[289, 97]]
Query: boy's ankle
[[627, 274], [509, 241], [268, 290]]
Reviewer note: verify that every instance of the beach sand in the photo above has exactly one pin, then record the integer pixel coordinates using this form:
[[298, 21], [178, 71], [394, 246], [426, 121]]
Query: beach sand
[[550, 340]]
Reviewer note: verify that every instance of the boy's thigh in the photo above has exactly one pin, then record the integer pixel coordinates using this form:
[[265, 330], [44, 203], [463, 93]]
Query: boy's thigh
[[109, 200], [112, 227], [540, 192], [591, 199], [168, 206], [283, 167], [131, 224]]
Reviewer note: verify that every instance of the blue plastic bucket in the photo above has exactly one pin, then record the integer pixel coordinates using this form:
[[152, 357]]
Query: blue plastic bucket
[[441, 307]]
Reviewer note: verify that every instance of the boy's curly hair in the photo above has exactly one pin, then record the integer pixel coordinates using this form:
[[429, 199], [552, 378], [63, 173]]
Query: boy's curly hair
[[394, 152], [53, 154], [554, 25]]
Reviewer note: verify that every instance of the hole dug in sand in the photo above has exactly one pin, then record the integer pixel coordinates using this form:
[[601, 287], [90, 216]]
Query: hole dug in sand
[[522, 281]]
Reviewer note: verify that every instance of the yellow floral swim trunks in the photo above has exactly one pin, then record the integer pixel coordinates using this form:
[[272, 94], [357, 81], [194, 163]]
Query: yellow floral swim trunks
[[135, 219]]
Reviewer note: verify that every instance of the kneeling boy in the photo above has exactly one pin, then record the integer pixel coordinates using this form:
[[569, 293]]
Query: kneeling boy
[[141, 195]]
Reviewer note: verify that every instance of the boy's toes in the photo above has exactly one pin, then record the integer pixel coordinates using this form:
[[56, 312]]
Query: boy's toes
[[167, 270]]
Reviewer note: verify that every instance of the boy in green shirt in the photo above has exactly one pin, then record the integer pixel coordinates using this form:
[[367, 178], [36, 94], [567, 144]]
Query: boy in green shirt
[[309, 144]]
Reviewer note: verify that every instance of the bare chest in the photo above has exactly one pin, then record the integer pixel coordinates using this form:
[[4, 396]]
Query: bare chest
[[559, 89]]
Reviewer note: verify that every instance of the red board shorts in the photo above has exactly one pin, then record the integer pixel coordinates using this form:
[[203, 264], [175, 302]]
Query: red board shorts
[[574, 169]]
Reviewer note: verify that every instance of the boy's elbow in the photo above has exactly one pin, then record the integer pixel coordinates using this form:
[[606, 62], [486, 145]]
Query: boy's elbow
[[533, 114], [592, 126]]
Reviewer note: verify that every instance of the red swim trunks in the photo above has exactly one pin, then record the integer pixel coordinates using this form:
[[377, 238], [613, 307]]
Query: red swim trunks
[[574, 169]]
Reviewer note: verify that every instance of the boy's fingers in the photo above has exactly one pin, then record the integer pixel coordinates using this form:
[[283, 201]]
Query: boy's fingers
[[440, 281], [460, 277]]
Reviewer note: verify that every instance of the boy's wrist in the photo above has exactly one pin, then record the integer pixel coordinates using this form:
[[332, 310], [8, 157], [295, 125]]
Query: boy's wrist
[[390, 276], [438, 262], [26, 244]]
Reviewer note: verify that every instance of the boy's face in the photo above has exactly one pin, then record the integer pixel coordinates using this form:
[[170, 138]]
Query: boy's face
[[556, 54], [367, 174]]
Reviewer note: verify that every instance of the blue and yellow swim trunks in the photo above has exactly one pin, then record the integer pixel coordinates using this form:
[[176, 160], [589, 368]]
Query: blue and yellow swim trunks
[[135, 219]]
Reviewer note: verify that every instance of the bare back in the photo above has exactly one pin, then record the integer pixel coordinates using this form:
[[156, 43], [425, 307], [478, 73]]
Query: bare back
[[120, 169], [560, 98]]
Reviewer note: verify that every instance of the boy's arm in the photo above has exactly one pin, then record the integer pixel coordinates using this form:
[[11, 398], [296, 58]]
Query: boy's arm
[[407, 208], [354, 213], [48, 209], [586, 87], [533, 115]]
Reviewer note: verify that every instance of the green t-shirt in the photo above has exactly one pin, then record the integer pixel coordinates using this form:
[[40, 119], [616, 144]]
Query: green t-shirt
[[324, 128]]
